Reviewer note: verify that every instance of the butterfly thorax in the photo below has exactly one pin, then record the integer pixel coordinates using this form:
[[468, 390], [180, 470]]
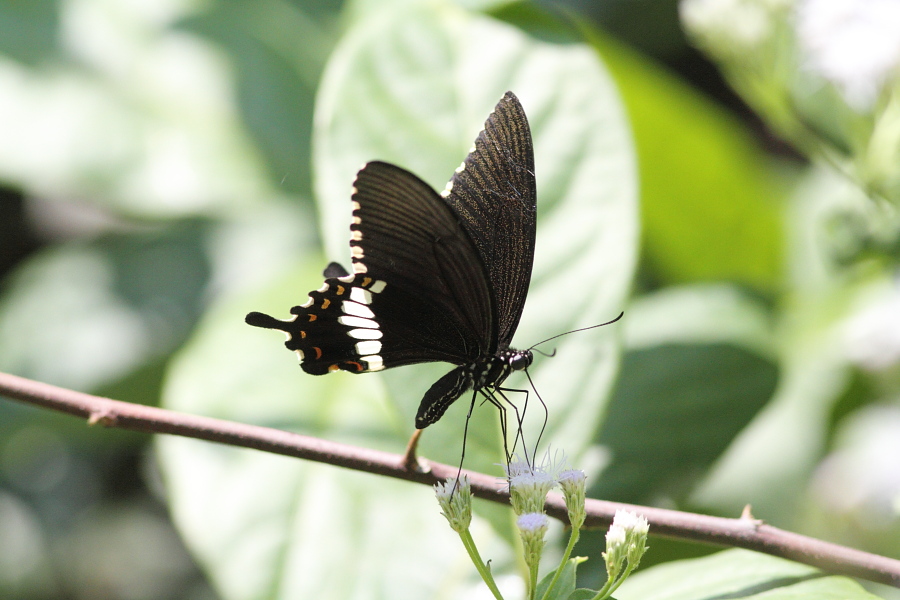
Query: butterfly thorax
[[491, 371]]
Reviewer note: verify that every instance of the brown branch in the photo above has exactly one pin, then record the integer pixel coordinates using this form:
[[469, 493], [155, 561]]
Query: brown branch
[[745, 532]]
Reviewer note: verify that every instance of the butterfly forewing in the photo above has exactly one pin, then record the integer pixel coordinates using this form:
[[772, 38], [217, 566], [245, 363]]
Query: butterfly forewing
[[405, 234], [494, 194]]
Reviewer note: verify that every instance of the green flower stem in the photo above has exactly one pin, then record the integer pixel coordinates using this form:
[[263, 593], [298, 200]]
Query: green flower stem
[[573, 539], [483, 569], [621, 579], [532, 580], [604, 591], [612, 585]]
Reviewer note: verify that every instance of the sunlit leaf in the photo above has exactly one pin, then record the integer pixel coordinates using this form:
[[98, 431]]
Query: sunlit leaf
[[697, 369], [83, 315], [710, 200], [738, 574]]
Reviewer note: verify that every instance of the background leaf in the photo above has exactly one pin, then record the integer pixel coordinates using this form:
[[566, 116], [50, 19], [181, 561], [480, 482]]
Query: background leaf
[[108, 306], [738, 574], [710, 201], [278, 49], [686, 389]]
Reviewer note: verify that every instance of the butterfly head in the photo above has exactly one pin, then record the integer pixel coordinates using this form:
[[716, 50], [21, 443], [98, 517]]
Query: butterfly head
[[519, 360]]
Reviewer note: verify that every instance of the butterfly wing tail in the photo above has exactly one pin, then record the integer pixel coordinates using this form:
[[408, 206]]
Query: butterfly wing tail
[[258, 319]]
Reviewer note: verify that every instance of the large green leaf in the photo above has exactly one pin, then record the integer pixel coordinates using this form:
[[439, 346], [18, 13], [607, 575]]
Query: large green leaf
[[413, 87], [698, 368], [710, 199], [29, 31], [278, 49], [738, 574], [770, 464]]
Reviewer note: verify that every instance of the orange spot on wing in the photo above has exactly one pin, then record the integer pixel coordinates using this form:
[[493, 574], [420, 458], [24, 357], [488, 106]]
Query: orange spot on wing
[[312, 318], [325, 303]]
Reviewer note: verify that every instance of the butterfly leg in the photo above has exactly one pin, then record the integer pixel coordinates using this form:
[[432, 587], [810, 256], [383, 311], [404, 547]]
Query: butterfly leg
[[520, 434], [520, 420], [503, 404], [462, 456]]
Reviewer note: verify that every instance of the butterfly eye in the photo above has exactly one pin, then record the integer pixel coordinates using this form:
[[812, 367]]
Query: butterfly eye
[[520, 360]]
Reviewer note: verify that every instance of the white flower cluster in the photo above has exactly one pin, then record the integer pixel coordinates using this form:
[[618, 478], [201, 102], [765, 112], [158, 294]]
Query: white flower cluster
[[735, 25], [872, 336], [824, 73], [855, 44], [528, 485]]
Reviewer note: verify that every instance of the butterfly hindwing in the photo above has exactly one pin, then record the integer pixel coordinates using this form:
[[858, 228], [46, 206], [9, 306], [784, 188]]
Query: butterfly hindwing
[[418, 292], [337, 328]]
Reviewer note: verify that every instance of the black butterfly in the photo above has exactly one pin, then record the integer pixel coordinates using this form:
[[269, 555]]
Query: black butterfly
[[436, 277]]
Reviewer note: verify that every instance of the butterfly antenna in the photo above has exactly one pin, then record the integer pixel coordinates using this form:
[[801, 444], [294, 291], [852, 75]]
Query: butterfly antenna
[[621, 314]]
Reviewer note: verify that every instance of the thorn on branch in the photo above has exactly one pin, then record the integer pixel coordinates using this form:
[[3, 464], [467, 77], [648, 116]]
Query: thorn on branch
[[103, 416], [747, 515], [411, 460]]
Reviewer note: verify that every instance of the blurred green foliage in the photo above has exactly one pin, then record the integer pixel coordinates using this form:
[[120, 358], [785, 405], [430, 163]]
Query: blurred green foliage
[[168, 167]]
